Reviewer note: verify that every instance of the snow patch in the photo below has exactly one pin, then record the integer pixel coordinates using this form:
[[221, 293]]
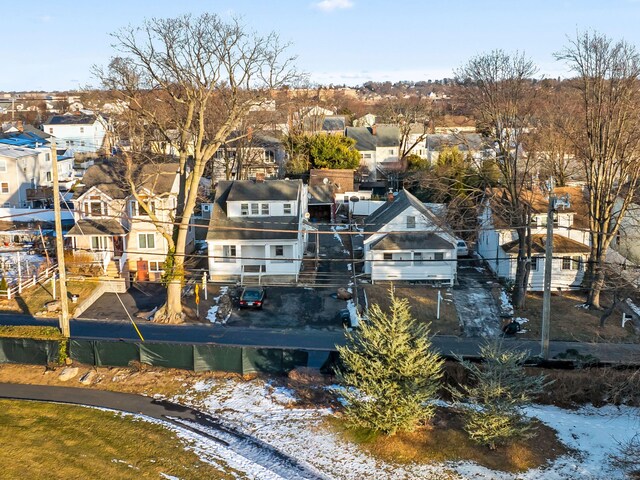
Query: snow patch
[[505, 303], [212, 314]]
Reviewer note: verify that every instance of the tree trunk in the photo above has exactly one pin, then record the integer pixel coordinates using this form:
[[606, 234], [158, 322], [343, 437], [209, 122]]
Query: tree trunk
[[171, 311], [522, 273], [597, 283]]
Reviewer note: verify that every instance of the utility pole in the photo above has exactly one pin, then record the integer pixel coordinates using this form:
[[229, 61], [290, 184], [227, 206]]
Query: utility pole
[[64, 316], [554, 203]]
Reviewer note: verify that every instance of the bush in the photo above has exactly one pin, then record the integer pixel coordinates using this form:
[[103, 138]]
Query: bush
[[492, 403]]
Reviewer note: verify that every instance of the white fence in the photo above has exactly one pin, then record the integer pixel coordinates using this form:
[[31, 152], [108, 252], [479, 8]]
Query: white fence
[[16, 287]]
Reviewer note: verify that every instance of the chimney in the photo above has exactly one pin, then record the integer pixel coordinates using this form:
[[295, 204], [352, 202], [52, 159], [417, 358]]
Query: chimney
[[259, 177], [390, 197], [20, 126], [374, 129], [249, 133]]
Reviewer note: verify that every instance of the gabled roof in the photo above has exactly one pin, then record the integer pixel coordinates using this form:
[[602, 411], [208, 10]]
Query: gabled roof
[[249, 190], [412, 241], [561, 244], [390, 210], [16, 152], [222, 227], [96, 227], [109, 178], [367, 140], [71, 120]]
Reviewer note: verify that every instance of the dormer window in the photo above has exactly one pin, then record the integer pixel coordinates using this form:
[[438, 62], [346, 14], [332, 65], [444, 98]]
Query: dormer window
[[95, 207], [264, 209], [138, 211], [287, 209], [244, 209]]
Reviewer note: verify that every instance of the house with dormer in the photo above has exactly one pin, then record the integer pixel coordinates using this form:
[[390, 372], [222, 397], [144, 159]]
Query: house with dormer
[[405, 241], [497, 241], [113, 231], [258, 230]]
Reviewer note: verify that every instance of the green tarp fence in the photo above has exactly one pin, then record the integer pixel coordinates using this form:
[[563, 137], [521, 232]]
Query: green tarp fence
[[198, 357], [27, 350]]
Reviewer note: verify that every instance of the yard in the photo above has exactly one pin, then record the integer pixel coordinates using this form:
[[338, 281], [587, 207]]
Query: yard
[[43, 440], [571, 322], [423, 301], [33, 300]]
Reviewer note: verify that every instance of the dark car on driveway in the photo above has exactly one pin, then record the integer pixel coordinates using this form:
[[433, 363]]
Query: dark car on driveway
[[252, 297]]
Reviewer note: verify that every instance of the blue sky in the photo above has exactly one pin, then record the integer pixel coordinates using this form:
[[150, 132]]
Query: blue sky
[[51, 45]]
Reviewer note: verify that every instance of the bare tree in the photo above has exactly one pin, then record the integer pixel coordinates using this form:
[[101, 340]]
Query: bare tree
[[498, 86], [208, 73], [607, 139]]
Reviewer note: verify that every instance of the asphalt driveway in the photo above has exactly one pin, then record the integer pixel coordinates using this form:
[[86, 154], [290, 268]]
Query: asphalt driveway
[[292, 307], [478, 313]]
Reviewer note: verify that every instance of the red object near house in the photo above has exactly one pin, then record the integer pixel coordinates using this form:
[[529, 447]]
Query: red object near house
[[143, 271]]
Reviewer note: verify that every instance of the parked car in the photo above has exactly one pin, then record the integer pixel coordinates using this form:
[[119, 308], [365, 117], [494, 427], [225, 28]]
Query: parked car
[[252, 297], [461, 246]]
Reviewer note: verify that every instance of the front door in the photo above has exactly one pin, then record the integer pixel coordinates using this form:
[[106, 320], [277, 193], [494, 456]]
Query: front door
[[117, 247], [143, 271]]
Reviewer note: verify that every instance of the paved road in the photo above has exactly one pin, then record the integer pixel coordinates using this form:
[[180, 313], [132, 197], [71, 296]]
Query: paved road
[[309, 339], [190, 419]]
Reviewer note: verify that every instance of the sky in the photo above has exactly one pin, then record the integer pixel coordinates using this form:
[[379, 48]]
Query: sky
[[52, 44]]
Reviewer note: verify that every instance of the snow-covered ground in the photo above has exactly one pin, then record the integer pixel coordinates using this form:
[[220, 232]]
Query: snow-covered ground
[[271, 415]]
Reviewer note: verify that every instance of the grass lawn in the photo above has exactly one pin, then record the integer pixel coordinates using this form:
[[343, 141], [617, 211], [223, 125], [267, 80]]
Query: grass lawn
[[446, 441], [33, 300], [423, 302], [572, 323], [42, 440]]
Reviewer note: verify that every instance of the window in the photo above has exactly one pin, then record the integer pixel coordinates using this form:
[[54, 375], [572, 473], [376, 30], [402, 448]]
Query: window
[[81, 129], [534, 264], [577, 263], [95, 208], [3, 165], [99, 243], [146, 240], [279, 251], [51, 130], [269, 156], [265, 209], [155, 266], [4, 187], [417, 258], [438, 256], [82, 144], [566, 263], [137, 210], [254, 209], [228, 253], [244, 209], [48, 176], [387, 256], [206, 207], [366, 155], [287, 209], [47, 157], [391, 151], [411, 222]]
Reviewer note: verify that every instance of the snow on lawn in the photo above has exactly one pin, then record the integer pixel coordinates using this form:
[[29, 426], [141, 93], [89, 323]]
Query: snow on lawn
[[270, 414], [336, 235], [505, 303], [212, 314]]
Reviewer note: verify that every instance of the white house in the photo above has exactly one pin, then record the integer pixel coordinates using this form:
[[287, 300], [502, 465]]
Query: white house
[[113, 231], [405, 241], [497, 242], [258, 230], [379, 147], [79, 133]]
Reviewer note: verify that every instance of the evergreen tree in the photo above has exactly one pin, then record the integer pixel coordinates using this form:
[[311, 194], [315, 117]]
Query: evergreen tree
[[390, 371], [499, 389]]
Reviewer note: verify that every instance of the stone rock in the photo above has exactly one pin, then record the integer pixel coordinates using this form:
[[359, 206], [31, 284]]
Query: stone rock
[[53, 306], [344, 294], [88, 378], [68, 373]]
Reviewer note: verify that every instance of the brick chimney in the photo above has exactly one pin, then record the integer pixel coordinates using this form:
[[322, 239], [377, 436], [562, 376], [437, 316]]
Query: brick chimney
[[390, 196], [374, 129]]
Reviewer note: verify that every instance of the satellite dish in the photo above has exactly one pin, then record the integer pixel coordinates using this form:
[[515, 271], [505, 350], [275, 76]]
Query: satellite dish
[[354, 199], [306, 215], [325, 180]]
